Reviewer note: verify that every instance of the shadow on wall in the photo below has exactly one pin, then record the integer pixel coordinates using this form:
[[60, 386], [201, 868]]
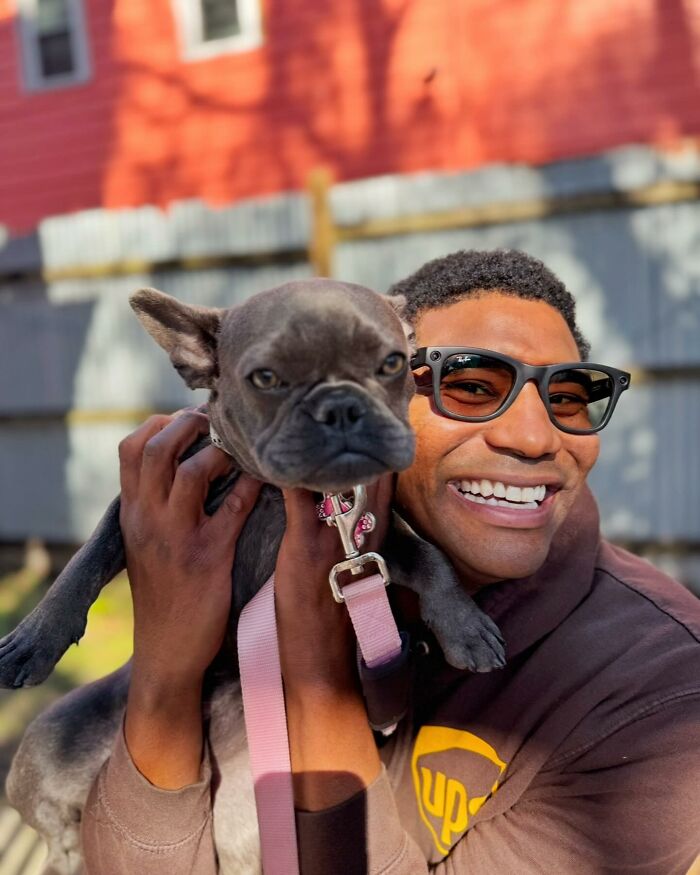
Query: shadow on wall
[[410, 103], [301, 110], [633, 75]]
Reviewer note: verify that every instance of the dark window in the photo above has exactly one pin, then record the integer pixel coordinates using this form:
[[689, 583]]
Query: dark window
[[219, 19], [53, 28], [208, 28], [52, 43]]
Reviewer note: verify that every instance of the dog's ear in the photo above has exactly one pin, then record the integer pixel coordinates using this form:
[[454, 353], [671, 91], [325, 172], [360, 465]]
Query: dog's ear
[[398, 302], [187, 333]]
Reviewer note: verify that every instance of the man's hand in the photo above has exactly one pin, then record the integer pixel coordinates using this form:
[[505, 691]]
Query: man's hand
[[179, 563], [332, 747]]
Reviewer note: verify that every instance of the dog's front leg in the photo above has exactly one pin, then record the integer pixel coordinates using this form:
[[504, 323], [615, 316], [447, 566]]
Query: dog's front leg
[[468, 638], [29, 653]]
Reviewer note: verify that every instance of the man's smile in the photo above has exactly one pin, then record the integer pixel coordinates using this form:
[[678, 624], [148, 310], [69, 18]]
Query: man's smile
[[507, 491], [506, 504]]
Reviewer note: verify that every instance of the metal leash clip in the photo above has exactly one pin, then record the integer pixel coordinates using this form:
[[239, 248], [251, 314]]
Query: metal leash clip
[[349, 517]]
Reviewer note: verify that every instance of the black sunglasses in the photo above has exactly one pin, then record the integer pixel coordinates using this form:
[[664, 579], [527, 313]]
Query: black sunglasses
[[475, 385]]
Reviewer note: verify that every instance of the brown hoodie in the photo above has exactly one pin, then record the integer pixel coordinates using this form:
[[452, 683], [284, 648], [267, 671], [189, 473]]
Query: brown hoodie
[[582, 755]]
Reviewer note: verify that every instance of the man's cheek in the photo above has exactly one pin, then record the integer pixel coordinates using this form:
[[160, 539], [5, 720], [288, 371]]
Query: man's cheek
[[586, 452], [427, 443], [419, 412], [437, 437]]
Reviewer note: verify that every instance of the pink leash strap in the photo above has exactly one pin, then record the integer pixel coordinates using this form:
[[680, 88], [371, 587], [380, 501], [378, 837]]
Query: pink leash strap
[[263, 705], [377, 636], [266, 728]]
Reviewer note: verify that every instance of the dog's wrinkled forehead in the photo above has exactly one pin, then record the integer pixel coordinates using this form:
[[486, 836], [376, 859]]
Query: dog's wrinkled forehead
[[313, 328]]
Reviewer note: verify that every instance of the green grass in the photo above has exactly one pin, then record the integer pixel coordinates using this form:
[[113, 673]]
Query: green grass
[[108, 639]]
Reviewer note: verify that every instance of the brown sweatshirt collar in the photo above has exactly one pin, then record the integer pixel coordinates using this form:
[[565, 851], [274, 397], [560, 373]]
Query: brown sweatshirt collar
[[527, 609]]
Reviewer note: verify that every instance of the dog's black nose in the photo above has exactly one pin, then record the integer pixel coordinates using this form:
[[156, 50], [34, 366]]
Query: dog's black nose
[[338, 410]]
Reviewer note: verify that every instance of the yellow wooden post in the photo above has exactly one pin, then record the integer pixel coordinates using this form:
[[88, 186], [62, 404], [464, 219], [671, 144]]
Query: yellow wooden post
[[323, 231]]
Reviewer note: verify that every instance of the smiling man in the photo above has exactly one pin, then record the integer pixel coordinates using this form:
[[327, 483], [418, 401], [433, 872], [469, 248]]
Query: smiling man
[[580, 756], [515, 475]]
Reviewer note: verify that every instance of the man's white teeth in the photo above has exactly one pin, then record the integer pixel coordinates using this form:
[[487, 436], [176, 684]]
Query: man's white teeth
[[486, 492]]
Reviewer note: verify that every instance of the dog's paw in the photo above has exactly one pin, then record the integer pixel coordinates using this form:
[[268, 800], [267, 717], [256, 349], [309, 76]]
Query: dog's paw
[[29, 653], [478, 647]]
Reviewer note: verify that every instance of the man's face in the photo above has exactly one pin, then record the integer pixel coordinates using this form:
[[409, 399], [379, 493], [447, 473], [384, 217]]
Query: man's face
[[519, 448]]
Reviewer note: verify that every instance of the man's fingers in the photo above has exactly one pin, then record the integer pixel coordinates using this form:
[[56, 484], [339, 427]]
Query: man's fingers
[[161, 452], [192, 480], [230, 518], [131, 452], [306, 535], [201, 408]]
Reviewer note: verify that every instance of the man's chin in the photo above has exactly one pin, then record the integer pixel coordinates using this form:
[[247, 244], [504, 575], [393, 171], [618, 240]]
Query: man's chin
[[484, 552], [500, 559]]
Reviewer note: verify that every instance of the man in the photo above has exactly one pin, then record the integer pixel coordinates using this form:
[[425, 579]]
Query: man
[[581, 755]]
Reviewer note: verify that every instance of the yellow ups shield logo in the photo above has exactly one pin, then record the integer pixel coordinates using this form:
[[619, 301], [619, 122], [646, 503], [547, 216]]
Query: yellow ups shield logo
[[454, 773]]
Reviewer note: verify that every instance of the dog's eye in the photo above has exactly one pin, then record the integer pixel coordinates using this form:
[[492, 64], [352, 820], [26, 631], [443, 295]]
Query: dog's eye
[[264, 378], [393, 364]]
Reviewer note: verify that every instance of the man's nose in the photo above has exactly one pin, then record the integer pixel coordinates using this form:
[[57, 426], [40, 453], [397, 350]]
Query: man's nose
[[525, 428]]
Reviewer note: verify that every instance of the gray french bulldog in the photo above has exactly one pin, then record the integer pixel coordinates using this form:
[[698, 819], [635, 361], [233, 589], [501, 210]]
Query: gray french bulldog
[[309, 387]]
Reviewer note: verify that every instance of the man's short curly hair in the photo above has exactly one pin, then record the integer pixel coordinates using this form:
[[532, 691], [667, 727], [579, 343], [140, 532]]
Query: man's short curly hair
[[472, 272]]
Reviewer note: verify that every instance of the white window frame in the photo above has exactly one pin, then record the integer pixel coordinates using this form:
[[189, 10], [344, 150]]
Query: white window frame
[[190, 27], [32, 77]]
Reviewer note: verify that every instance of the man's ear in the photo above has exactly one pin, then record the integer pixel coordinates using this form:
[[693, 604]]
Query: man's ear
[[398, 302], [188, 334]]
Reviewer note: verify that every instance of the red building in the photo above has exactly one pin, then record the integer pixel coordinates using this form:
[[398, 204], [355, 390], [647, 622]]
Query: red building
[[118, 103]]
